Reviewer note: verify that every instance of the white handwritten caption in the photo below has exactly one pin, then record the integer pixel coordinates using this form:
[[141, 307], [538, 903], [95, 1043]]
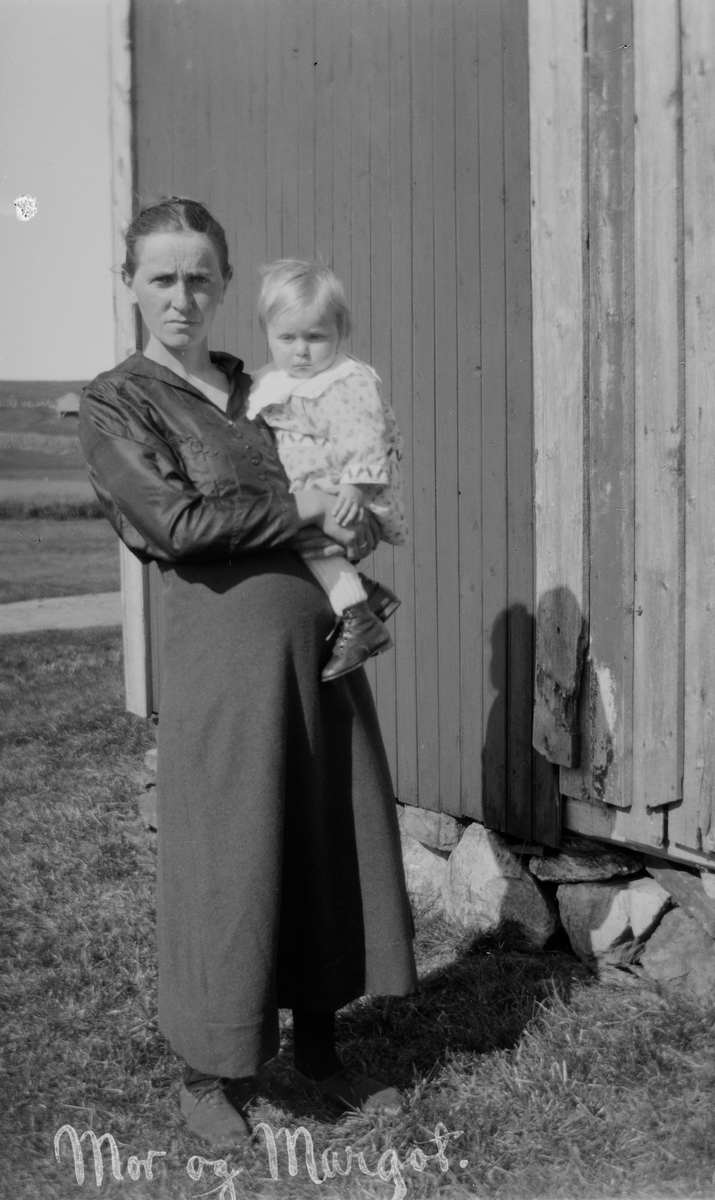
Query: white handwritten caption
[[388, 1168], [25, 208]]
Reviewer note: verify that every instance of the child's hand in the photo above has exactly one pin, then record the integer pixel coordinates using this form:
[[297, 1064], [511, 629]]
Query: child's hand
[[348, 506]]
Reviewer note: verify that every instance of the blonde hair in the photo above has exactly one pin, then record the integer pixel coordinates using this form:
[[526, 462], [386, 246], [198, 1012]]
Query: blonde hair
[[294, 283]]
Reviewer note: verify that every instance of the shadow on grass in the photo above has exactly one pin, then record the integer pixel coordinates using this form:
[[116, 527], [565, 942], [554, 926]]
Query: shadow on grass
[[478, 1002]]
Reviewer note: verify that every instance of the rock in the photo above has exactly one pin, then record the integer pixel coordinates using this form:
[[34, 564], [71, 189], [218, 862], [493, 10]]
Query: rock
[[707, 878], [688, 892], [150, 760], [425, 871], [583, 861], [486, 885], [681, 955], [600, 918], [433, 829]]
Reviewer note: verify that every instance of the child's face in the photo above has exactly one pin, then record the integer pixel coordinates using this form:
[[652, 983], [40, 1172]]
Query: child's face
[[301, 343]]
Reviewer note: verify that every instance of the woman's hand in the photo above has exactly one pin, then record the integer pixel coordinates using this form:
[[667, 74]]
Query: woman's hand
[[367, 537], [315, 508]]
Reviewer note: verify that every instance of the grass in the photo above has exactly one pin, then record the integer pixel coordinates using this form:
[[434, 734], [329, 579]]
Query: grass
[[19, 464], [561, 1086], [40, 419], [68, 557], [27, 508]]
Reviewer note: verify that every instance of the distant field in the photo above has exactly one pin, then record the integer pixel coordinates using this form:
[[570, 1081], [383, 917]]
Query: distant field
[[57, 558], [40, 419], [34, 391], [51, 440], [41, 459]]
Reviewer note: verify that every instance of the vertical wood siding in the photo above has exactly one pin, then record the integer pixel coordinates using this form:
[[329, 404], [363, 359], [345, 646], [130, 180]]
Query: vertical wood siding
[[646, 719], [657, 711], [692, 824], [559, 285], [607, 755], [390, 137]]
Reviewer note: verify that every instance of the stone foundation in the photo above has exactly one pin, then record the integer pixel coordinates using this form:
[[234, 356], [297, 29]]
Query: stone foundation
[[618, 908]]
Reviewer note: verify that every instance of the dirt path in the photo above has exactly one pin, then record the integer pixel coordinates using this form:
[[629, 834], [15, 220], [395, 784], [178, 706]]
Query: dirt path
[[62, 612]]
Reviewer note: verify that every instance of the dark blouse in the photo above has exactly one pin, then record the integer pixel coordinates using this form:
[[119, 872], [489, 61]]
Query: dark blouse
[[177, 478]]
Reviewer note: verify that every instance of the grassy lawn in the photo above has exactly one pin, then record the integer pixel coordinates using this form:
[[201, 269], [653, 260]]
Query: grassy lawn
[[57, 558], [561, 1087]]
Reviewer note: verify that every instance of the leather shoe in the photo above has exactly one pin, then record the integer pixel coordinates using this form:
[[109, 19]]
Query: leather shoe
[[211, 1116], [381, 599], [360, 635], [351, 1090]]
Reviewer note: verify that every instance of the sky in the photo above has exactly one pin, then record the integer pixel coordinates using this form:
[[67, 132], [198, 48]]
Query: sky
[[56, 307]]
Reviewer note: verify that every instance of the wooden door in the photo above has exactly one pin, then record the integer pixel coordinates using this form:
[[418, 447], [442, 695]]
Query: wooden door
[[390, 138]]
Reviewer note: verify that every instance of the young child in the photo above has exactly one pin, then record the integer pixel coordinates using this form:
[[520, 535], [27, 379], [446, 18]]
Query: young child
[[335, 432]]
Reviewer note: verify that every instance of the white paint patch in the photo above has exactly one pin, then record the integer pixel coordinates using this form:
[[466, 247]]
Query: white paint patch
[[25, 208], [607, 692]]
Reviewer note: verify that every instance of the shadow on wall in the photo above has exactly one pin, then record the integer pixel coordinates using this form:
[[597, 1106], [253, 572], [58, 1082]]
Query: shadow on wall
[[520, 787]]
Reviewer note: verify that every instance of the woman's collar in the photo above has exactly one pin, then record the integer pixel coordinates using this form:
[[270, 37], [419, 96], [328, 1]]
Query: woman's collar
[[139, 364]]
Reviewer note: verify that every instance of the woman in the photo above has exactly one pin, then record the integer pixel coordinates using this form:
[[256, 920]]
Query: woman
[[280, 880]]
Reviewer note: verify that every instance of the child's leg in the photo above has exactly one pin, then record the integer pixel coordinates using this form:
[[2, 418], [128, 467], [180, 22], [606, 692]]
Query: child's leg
[[361, 633], [339, 580]]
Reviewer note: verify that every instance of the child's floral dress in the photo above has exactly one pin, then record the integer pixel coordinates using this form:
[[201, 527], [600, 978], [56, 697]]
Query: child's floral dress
[[336, 428]]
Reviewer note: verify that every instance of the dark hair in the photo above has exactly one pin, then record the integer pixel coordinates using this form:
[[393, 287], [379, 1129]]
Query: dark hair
[[175, 214]]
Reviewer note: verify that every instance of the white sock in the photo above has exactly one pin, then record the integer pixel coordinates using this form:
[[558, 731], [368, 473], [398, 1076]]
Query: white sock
[[339, 580]]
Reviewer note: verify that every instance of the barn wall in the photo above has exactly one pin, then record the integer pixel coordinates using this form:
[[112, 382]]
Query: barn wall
[[391, 137], [623, 240]]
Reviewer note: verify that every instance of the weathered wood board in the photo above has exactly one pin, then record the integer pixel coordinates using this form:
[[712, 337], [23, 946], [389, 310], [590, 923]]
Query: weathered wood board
[[607, 739], [692, 824], [559, 291], [659, 443]]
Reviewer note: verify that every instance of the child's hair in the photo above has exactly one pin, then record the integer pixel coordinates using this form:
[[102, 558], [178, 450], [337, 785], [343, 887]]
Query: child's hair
[[296, 283], [175, 214]]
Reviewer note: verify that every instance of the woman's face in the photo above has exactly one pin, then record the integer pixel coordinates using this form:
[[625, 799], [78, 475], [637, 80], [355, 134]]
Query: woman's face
[[178, 286]]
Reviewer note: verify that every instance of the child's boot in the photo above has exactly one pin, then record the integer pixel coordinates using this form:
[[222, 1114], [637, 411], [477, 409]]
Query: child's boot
[[382, 601], [360, 635]]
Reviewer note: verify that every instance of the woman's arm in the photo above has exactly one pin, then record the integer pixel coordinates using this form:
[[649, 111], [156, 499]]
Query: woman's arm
[[316, 508], [152, 503]]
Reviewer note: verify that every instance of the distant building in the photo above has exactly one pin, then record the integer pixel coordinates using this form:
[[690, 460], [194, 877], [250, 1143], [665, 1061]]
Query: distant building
[[67, 405]]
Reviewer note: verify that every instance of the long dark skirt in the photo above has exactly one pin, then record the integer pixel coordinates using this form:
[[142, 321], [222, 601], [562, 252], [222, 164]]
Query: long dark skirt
[[280, 878]]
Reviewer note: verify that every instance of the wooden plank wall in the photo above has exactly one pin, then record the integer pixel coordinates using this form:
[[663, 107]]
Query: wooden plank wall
[[391, 138], [607, 755], [692, 824], [657, 713], [560, 287], [646, 68]]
